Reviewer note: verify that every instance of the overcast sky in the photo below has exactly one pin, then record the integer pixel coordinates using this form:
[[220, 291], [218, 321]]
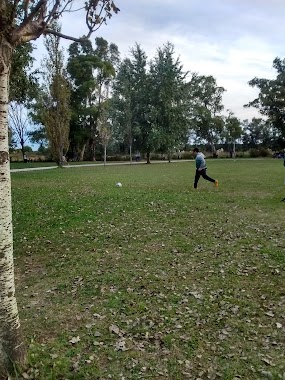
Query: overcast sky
[[233, 40]]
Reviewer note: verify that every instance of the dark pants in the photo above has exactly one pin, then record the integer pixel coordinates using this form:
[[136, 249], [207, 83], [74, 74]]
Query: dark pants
[[202, 173]]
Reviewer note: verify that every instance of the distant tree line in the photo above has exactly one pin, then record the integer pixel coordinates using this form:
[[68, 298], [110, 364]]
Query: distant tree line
[[97, 103]]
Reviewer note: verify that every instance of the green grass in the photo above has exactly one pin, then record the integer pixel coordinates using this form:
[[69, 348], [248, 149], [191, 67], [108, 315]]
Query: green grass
[[152, 280]]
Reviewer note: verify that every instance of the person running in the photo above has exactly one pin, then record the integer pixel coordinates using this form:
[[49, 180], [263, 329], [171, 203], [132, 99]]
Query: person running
[[201, 169]]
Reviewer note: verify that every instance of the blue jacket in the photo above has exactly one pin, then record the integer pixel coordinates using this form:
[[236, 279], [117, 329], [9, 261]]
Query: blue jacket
[[200, 161]]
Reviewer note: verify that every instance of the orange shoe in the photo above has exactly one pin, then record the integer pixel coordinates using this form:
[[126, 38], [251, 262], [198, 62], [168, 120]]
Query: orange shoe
[[216, 183]]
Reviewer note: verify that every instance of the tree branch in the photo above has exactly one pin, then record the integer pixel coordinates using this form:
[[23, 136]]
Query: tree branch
[[54, 14], [18, 35], [55, 33], [14, 11], [34, 12], [39, 20]]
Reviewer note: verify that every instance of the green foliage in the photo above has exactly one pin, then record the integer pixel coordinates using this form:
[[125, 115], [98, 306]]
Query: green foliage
[[130, 103], [55, 107], [42, 149], [27, 148], [23, 83], [144, 132], [167, 100], [233, 129], [258, 132], [261, 152], [148, 108], [122, 105], [38, 135], [271, 98], [91, 71], [152, 279], [205, 99]]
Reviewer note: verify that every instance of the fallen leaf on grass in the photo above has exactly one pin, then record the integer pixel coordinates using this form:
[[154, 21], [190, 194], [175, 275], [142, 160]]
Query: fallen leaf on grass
[[196, 295], [74, 340], [121, 345], [267, 361], [115, 329]]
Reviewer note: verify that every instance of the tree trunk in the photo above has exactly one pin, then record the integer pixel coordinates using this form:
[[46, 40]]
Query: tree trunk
[[131, 153], [93, 150], [105, 154], [148, 158], [11, 343], [169, 156], [214, 152], [81, 153], [234, 149], [23, 149]]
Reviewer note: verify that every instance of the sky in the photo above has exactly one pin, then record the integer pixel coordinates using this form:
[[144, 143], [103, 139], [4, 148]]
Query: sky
[[232, 40]]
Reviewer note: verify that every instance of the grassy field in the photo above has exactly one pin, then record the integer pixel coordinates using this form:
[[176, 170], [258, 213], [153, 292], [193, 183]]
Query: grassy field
[[152, 280]]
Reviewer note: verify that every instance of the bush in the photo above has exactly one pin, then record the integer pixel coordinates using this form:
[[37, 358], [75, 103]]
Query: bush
[[157, 156], [242, 154], [253, 152], [262, 152], [187, 155], [118, 157], [28, 149]]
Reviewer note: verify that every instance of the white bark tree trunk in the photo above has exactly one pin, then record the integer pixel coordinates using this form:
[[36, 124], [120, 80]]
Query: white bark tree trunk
[[34, 18], [81, 156], [131, 152], [11, 344]]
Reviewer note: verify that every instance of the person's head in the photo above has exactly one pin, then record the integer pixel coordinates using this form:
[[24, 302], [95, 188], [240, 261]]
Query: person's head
[[195, 151]]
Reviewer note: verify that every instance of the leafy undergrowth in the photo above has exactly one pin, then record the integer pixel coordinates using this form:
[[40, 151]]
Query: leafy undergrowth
[[152, 280]]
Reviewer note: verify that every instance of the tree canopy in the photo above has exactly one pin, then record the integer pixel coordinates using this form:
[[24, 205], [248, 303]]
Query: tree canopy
[[271, 99]]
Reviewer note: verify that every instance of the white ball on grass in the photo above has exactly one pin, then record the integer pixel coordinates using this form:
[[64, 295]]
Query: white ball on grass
[[118, 184]]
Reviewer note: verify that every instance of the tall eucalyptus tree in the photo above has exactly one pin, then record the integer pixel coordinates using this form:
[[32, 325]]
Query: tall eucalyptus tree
[[91, 71], [55, 110], [130, 103], [122, 105]]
